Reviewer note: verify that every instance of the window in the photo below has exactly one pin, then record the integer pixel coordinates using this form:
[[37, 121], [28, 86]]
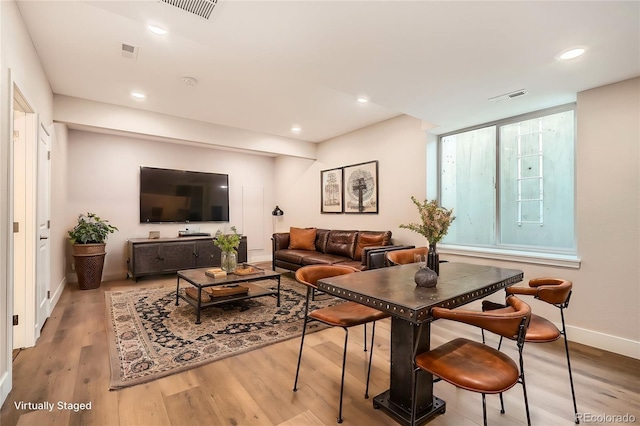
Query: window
[[511, 183]]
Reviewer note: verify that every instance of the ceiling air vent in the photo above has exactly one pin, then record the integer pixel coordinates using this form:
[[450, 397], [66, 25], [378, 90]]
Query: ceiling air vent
[[129, 51], [202, 8], [508, 96]]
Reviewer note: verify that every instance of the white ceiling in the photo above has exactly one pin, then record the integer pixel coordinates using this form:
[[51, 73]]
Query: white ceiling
[[267, 65]]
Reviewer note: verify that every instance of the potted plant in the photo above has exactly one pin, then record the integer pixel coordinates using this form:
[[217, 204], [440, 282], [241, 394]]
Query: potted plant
[[88, 242], [435, 222], [228, 244]]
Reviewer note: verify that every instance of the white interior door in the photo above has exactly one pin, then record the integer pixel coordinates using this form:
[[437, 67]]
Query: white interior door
[[43, 230]]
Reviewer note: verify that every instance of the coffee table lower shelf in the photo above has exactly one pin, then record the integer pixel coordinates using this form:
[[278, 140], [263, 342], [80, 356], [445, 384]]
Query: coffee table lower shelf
[[254, 291]]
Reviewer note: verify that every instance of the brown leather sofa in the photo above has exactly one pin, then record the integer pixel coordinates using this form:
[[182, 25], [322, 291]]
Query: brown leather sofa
[[310, 246]]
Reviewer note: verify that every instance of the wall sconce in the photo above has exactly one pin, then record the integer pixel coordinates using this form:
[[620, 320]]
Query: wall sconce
[[275, 213]]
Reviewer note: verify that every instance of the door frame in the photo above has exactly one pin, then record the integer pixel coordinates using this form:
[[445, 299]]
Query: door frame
[[23, 209]]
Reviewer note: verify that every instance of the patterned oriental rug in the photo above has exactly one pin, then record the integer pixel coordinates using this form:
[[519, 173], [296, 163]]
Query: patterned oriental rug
[[150, 337]]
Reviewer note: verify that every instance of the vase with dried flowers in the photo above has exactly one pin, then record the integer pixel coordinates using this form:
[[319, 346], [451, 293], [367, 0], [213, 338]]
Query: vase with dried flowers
[[435, 222]]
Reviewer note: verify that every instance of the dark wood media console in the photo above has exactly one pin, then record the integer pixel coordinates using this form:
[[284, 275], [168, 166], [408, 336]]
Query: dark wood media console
[[168, 255]]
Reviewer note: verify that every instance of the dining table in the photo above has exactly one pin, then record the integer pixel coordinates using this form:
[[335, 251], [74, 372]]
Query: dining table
[[393, 290]]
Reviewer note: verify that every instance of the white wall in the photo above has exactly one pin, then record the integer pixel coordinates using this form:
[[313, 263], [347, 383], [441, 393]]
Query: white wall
[[398, 144], [20, 65], [103, 178], [58, 235]]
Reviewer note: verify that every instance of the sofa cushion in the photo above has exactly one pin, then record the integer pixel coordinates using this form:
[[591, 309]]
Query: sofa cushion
[[322, 235], [291, 256], [302, 238], [315, 258], [355, 264], [342, 243], [371, 238]]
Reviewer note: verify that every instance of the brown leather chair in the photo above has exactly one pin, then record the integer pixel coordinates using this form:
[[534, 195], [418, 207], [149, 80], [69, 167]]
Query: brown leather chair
[[345, 315], [475, 366], [557, 292], [403, 257]]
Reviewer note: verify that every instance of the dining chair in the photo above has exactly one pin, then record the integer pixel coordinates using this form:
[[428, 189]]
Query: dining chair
[[557, 292], [475, 366], [345, 315], [405, 256]]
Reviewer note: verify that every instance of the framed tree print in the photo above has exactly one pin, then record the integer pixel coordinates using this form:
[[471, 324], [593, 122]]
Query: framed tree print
[[361, 188], [331, 198]]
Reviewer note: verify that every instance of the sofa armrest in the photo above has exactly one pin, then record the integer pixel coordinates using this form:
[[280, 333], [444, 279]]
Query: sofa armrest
[[373, 257], [280, 241]]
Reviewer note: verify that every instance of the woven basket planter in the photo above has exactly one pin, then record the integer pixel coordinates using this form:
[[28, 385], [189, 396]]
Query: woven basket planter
[[85, 249], [89, 261]]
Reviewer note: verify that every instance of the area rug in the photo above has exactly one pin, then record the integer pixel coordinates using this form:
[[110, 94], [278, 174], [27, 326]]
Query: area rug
[[150, 337]]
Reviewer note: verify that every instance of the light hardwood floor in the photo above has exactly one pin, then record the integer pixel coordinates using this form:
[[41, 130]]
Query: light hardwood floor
[[70, 364]]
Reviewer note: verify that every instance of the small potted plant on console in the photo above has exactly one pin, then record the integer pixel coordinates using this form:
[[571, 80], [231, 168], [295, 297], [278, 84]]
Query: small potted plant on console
[[88, 242]]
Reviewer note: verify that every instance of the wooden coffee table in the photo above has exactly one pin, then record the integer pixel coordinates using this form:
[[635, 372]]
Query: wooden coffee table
[[198, 279]]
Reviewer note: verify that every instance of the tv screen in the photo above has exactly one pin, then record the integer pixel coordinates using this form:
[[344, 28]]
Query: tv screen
[[183, 196]]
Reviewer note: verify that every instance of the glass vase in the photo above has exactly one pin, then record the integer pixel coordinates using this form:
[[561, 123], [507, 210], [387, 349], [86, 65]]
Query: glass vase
[[433, 259], [229, 262]]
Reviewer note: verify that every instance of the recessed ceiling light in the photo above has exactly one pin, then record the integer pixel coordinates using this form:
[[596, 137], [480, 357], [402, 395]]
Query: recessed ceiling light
[[362, 100], [138, 95], [157, 30], [189, 81], [296, 129], [571, 53]]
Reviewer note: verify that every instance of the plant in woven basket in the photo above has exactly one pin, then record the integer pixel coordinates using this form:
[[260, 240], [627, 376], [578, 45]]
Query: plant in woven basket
[[91, 229]]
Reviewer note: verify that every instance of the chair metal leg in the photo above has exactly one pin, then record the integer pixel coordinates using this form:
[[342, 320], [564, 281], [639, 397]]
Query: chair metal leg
[[524, 389], [365, 337], [304, 329], [344, 365], [566, 348], [414, 380], [484, 409], [373, 334], [501, 404]]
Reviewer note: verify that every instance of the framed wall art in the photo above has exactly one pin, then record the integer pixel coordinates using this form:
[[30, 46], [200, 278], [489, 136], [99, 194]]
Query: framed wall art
[[331, 198], [361, 188]]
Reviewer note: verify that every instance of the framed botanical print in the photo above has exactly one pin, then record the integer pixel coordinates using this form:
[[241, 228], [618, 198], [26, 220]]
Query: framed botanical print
[[331, 199], [361, 188]]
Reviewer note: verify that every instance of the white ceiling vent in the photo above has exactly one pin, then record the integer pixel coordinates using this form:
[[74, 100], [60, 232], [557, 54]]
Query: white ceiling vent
[[202, 8], [129, 51], [508, 96]]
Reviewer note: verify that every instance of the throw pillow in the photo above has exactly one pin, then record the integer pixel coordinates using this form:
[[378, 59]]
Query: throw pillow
[[367, 239], [302, 239]]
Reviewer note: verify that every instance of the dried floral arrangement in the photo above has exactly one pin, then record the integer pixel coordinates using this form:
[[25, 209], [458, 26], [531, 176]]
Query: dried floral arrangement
[[435, 220]]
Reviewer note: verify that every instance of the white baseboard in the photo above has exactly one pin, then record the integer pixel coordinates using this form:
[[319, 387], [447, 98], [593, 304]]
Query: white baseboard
[[619, 345], [260, 258], [5, 385], [56, 293]]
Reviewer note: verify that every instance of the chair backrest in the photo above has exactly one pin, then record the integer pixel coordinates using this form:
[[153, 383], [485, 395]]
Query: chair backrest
[[310, 274], [403, 257], [511, 323], [552, 290]]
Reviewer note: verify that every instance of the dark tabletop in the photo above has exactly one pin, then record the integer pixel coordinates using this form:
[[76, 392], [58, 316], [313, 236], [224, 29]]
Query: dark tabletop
[[393, 289]]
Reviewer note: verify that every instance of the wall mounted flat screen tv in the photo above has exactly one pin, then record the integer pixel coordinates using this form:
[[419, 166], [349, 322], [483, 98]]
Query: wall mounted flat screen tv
[[183, 196]]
